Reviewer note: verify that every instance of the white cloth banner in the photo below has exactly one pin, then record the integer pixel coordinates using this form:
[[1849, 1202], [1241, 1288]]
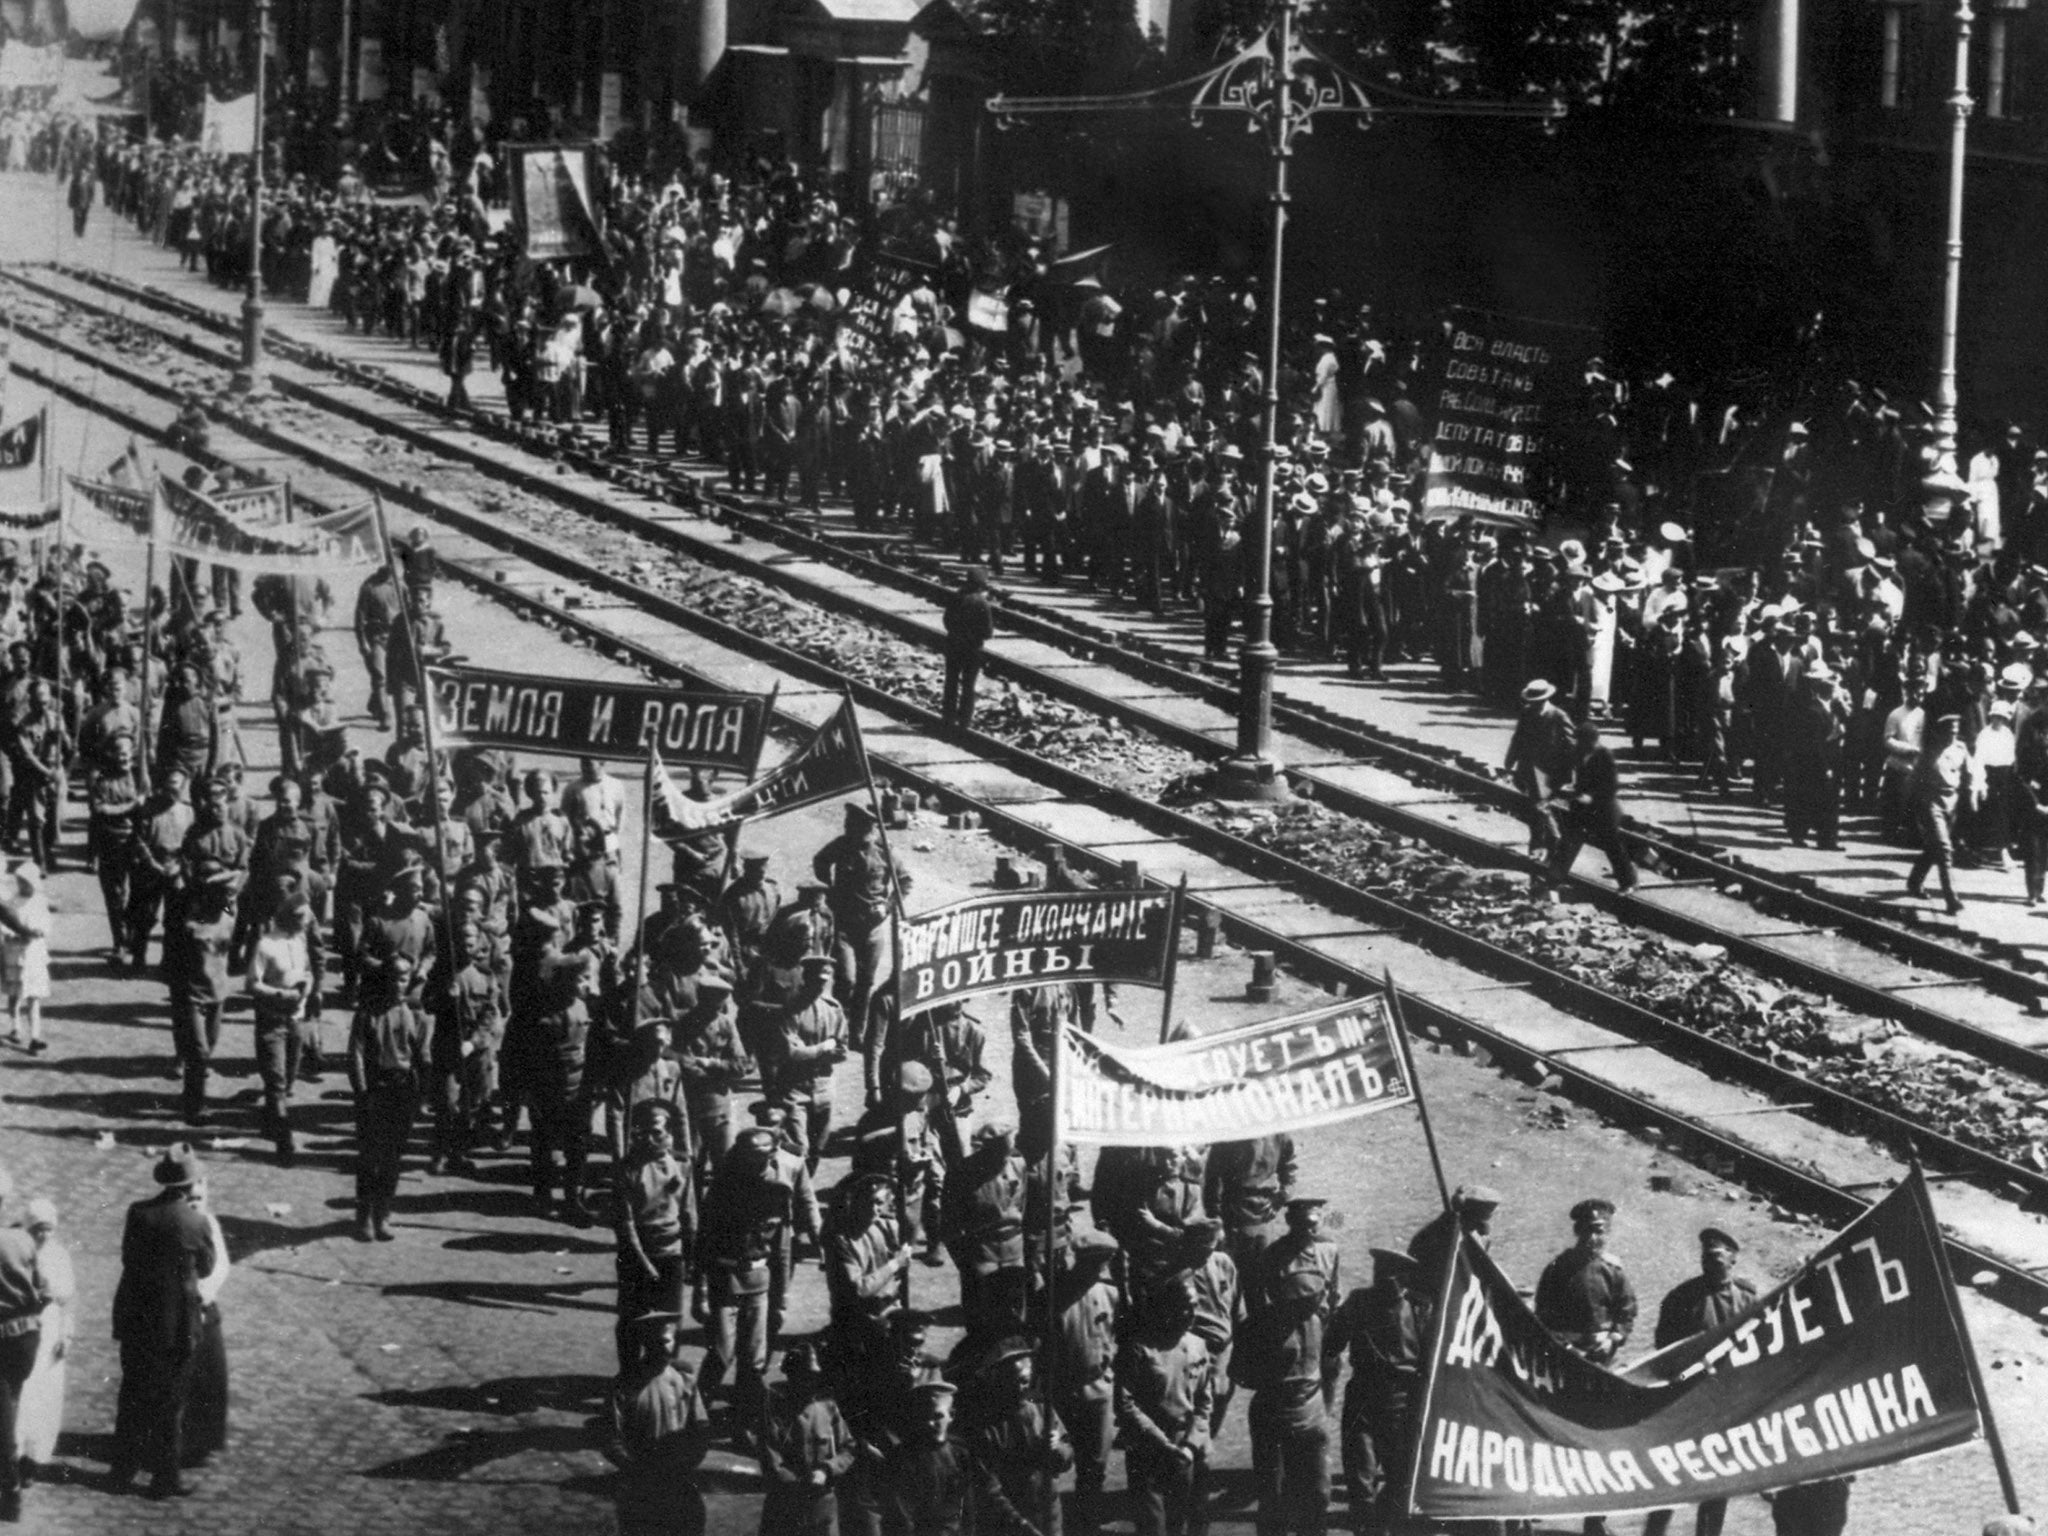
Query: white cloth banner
[[229, 127]]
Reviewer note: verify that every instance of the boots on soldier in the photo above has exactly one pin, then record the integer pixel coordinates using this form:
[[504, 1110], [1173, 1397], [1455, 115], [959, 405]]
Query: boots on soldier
[[364, 1232], [380, 1221]]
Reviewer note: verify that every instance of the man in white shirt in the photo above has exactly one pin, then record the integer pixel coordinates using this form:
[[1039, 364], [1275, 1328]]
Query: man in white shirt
[[598, 800]]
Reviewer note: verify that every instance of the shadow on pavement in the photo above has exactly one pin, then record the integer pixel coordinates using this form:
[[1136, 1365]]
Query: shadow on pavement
[[248, 1236], [508, 1296], [505, 1395]]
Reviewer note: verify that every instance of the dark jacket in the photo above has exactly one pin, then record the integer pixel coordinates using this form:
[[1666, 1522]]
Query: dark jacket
[[970, 620], [165, 1249]]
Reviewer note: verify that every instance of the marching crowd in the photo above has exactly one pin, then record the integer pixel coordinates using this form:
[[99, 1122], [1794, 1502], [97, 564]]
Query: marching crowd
[[465, 915]]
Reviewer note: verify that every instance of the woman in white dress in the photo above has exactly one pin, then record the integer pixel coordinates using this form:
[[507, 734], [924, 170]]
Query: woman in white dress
[[326, 259], [41, 1418], [1982, 476]]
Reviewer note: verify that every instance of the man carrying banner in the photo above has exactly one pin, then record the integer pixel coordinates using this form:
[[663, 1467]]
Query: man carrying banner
[[864, 880], [1586, 1299], [1385, 1330], [1713, 1297]]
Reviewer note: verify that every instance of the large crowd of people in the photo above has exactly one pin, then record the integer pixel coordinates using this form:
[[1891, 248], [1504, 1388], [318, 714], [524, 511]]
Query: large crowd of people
[[462, 912], [1769, 584]]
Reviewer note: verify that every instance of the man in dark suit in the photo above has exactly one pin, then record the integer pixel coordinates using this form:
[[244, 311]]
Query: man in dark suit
[[970, 620], [1592, 813], [165, 1250]]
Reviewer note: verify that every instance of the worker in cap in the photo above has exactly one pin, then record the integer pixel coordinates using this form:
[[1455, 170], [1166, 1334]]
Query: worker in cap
[[1713, 1297], [1471, 1211], [806, 1041]]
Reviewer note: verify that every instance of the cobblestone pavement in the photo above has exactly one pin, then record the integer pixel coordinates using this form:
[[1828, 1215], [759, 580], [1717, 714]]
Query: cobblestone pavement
[[446, 1382]]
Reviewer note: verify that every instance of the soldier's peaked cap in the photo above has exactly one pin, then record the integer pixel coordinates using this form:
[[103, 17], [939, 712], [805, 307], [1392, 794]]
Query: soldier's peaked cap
[[1592, 1210]]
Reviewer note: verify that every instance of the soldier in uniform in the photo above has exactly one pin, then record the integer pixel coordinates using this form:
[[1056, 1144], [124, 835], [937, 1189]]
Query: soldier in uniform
[[896, 1140], [742, 1246], [378, 612], [469, 1032], [1245, 1185], [387, 1064], [983, 1225], [1714, 1296], [158, 873], [746, 909], [660, 1435], [705, 1039], [806, 1450], [552, 1080], [1385, 1330], [953, 1049], [196, 967], [114, 793], [928, 1480], [1082, 1361], [866, 1259], [1218, 1292], [800, 1056], [1279, 1358], [1585, 1298], [1163, 1395], [1018, 1453], [654, 1216]]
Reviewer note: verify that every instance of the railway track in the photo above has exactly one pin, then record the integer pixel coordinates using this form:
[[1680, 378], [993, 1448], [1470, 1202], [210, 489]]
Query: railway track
[[1784, 929], [1459, 1003]]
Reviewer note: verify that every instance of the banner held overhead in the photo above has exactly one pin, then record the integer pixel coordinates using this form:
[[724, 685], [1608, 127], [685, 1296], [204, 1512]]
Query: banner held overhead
[[577, 717], [1290, 1074], [999, 942], [1854, 1362]]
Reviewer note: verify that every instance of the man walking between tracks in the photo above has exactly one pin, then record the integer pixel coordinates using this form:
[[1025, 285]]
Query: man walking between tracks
[[1540, 758], [970, 620], [1592, 813]]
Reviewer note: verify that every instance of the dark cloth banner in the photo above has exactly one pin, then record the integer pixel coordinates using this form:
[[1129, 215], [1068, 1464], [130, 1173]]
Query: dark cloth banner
[[128, 505], [996, 943], [22, 444], [578, 717], [197, 527], [1856, 1361], [1503, 386], [38, 521], [553, 200], [832, 763], [1290, 1074], [871, 313]]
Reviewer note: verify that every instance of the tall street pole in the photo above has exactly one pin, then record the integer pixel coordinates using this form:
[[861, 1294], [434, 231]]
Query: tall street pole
[[1254, 773], [1959, 104], [252, 306]]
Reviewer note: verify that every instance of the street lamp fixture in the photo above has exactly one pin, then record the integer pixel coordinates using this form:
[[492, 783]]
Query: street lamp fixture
[[250, 379]]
